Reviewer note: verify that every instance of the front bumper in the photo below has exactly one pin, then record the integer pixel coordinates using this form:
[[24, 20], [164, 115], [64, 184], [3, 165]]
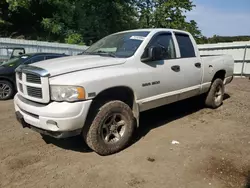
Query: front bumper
[[56, 119]]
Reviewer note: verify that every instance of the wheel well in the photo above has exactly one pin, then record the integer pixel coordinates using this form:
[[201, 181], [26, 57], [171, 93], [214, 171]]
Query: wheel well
[[220, 74], [122, 93], [9, 80]]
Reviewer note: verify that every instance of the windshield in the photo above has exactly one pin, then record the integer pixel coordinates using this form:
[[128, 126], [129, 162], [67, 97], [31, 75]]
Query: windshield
[[118, 45], [13, 62]]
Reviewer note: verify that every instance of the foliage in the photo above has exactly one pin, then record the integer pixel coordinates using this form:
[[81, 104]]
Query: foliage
[[74, 38], [96, 19], [167, 14], [217, 39], [86, 21], [15, 4]]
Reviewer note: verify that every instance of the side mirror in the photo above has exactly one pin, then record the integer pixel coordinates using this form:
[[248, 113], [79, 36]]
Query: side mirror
[[153, 53]]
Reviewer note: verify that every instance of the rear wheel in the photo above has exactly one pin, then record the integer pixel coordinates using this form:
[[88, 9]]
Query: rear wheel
[[6, 90], [111, 129], [215, 95]]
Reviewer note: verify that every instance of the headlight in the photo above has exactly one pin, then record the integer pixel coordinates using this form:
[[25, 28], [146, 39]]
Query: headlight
[[67, 93]]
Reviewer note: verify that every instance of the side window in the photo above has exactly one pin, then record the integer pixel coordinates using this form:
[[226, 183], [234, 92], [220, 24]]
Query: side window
[[28, 62], [185, 45], [51, 57], [37, 59], [166, 41]]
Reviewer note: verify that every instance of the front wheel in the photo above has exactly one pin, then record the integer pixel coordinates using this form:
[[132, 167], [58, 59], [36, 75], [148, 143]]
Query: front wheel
[[215, 95], [111, 129]]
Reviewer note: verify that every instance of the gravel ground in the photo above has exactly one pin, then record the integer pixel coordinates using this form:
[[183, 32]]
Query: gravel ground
[[213, 150]]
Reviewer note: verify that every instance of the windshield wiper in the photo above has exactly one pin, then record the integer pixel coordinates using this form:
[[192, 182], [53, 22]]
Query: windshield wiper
[[111, 54]]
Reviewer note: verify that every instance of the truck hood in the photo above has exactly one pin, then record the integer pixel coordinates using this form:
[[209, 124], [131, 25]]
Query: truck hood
[[69, 64]]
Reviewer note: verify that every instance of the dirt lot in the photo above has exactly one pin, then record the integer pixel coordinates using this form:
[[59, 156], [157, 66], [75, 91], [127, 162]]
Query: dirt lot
[[214, 150]]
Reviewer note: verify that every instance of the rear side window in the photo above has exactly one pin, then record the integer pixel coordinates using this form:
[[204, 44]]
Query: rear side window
[[185, 45]]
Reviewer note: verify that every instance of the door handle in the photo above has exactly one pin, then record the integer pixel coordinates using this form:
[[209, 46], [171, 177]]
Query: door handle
[[198, 65], [176, 68]]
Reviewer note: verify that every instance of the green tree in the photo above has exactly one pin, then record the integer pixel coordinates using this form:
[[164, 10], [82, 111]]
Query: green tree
[[195, 31], [97, 19], [86, 21], [24, 18], [68, 20], [61, 24], [145, 10], [15, 4], [167, 14], [170, 13], [74, 38]]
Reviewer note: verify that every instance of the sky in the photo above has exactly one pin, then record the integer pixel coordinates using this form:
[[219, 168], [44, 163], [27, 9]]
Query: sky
[[222, 17]]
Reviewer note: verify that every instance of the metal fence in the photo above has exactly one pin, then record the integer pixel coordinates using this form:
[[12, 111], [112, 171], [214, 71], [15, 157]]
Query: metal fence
[[38, 46], [239, 50]]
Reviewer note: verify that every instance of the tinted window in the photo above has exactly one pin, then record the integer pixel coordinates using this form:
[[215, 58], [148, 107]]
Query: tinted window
[[185, 45], [166, 41], [37, 58], [53, 56]]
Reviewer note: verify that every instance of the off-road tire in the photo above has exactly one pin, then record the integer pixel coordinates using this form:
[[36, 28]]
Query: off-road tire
[[210, 100], [93, 127], [11, 91]]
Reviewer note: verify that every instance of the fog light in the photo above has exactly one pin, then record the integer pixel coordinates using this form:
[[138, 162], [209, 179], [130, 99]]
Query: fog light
[[52, 125]]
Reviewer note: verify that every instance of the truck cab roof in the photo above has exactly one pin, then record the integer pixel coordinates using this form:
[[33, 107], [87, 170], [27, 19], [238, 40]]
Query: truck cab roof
[[154, 30]]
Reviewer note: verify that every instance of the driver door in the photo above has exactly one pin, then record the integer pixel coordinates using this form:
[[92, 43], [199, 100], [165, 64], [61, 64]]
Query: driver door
[[159, 81]]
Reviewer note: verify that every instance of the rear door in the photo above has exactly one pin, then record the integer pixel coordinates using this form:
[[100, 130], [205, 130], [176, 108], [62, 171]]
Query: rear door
[[188, 66], [165, 77]]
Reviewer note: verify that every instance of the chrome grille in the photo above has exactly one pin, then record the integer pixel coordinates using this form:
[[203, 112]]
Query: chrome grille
[[20, 75], [33, 78], [34, 83], [21, 87], [35, 92]]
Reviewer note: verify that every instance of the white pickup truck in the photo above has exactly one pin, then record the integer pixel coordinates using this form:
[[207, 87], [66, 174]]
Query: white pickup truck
[[100, 93]]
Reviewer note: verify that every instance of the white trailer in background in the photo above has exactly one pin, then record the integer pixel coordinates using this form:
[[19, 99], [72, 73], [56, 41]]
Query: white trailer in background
[[239, 50]]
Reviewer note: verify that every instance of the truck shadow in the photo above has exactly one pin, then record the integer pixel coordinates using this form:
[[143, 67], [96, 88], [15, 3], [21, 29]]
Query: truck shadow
[[248, 180], [149, 120], [73, 143], [161, 116]]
